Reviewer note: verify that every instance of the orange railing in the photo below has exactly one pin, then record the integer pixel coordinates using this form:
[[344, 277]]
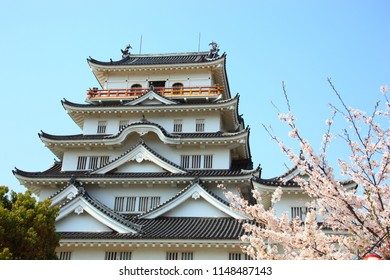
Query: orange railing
[[167, 92]]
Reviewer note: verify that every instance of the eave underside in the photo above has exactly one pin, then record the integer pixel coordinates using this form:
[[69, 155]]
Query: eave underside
[[78, 112]]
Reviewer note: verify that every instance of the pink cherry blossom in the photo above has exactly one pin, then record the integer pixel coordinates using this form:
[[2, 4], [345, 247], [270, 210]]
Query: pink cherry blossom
[[384, 89], [357, 219]]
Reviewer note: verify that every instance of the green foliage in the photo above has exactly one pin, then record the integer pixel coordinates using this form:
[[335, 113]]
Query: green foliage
[[27, 227]]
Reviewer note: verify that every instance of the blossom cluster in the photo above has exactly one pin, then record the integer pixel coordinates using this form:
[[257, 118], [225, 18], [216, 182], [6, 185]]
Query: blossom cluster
[[355, 213]]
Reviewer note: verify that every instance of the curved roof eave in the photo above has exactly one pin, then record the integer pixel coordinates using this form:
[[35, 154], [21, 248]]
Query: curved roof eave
[[143, 127], [155, 60], [71, 106]]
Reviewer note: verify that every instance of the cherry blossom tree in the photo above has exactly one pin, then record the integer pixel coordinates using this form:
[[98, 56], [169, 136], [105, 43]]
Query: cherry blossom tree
[[358, 220]]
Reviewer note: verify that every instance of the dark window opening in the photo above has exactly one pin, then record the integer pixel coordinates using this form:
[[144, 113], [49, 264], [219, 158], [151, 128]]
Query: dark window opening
[[157, 84], [177, 88]]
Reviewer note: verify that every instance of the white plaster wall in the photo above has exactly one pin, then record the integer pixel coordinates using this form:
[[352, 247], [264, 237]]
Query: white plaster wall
[[80, 223], [189, 208], [221, 156], [212, 121], [47, 192], [143, 166], [148, 253], [107, 194], [195, 208], [80, 253], [70, 158], [191, 78], [288, 201]]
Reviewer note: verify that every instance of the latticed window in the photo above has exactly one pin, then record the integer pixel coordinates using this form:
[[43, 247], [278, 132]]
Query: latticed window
[[130, 203], [143, 204], [102, 126], [300, 212], [187, 256], [208, 161], [172, 256], [179, 256], [104, 160], [239, 256], [82, 163], [177, 125], [185, 161], [93, 162], [196, 161], [148, 202], [123, 124], [135, 204], [199, 125], [117, 256], [64, 255], [118, 204]]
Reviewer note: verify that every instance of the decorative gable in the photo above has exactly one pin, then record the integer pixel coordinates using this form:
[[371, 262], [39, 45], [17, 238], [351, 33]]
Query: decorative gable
[[64, 194], [193, 201], [135, 158], [195, 206], [81, 222], [151, 98], [95, 214]]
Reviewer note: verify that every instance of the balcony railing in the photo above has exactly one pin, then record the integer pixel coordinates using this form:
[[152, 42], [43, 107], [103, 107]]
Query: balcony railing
[[129, 93]]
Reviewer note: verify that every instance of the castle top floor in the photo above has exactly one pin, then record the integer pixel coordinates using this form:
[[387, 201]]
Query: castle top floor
[[188, 76]]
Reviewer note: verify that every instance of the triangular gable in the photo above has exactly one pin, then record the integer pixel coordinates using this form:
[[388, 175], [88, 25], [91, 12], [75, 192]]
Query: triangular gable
[[151, 98], [102, 214], [291, 174], [66, 193], [139, 154], [83, 222], [192, 192]]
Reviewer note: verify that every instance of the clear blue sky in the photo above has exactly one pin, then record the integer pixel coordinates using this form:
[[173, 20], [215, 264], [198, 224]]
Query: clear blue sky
[[44, 46]]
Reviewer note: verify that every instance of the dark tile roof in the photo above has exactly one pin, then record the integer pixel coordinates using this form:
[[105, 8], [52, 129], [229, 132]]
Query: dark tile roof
[[173, 228], [111, 213], [73, 136], [74, 183], [180, 103], [55, 172], [81, 137], [146, 175], [158, 59], [276, 182], [280, 180]]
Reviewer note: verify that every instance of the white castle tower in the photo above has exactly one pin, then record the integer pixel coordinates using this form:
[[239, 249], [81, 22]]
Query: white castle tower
[[141, 180]]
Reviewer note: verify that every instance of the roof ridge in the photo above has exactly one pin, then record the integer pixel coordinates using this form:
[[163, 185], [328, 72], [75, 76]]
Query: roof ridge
[[112, 214], [159, 59]]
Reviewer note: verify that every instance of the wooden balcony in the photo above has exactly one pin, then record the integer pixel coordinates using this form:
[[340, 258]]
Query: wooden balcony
[[177, 93]]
